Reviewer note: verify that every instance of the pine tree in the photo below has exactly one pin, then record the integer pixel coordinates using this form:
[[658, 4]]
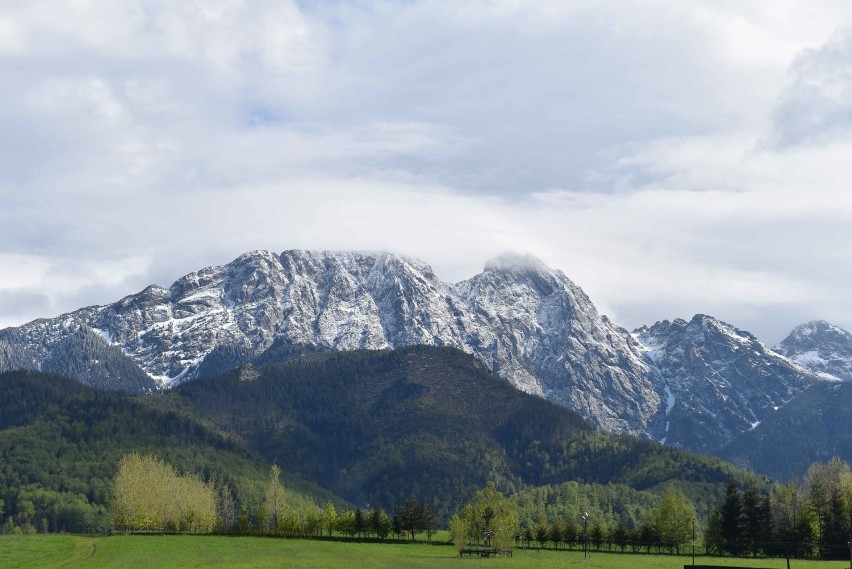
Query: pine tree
[[732, 519], [754, 520]]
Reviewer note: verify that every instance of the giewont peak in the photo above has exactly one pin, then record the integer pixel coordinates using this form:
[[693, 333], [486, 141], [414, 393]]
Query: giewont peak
[[517, 262]]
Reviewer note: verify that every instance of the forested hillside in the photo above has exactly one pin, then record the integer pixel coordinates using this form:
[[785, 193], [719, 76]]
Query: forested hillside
[[373, 427], [814, 427], [380, 426], [60, 443]]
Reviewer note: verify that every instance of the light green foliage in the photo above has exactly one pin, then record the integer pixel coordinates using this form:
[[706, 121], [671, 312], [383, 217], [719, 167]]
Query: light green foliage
[[458, 532], [489, 517], [329, 518], [609, 503], [149, 494], [345, 523], [274, 502], [674, 519]]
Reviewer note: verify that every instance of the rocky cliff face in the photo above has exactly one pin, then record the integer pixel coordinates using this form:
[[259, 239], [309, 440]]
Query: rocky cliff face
[[696, 384], [821, 348], [719, 381], [529, 324]]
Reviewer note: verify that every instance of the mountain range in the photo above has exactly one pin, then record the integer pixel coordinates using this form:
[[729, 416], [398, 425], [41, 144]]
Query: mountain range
[[700, 384]]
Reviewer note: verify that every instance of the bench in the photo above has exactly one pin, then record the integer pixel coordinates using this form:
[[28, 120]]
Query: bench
[[486, 552]]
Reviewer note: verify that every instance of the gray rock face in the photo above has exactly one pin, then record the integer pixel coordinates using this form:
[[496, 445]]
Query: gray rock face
[[696, 384], [719, 381], [821, 348], [67, 347], [529, 324]]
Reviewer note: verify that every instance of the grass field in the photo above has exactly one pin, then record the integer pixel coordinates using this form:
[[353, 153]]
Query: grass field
[[211, 552]]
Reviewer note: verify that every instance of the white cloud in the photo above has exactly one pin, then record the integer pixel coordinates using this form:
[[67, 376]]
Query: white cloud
[[634, 146]]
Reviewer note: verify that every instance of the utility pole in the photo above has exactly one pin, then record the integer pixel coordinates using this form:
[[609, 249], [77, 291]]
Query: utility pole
[[850, 543], [693, 543], [585, 518]]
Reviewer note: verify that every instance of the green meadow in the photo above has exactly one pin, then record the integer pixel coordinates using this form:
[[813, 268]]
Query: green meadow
[[211, 552]]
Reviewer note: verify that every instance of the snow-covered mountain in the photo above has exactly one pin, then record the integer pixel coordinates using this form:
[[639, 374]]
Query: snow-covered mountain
[[821, 348], [529, 324], [696, 384], [719, 381]]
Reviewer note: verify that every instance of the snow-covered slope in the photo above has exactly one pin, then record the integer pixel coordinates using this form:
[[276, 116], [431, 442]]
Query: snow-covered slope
[[528, 323], [696, 384], [821, 348], [720, 381]]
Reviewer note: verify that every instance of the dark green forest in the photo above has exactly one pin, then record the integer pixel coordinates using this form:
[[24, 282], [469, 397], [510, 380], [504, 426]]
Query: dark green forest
[[361, 428], [378, 427], [813, 427], [60, 443]]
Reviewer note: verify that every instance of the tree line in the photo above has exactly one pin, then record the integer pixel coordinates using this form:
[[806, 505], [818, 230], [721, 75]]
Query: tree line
[[811, 518], [148, 494], [490, 520]]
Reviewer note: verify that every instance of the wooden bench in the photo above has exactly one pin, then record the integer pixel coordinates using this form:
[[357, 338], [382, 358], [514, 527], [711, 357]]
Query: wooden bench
[[486, 552]]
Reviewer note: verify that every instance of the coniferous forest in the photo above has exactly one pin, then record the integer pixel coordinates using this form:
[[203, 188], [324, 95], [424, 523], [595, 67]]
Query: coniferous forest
[[384, 445]]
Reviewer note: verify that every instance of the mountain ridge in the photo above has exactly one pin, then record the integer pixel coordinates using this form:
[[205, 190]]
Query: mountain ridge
[[530, 324], [696, 384]]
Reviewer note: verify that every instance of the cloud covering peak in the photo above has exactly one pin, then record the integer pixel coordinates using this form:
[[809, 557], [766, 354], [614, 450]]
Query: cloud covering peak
[[678, 157]]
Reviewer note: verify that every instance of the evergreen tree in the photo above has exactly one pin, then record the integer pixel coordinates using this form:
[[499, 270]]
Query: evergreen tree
[[541, 535], [754, 520], [556, 533], [409, 517], [427, 520], [620, 535], [732, 519], [360, 523], [379, 523]]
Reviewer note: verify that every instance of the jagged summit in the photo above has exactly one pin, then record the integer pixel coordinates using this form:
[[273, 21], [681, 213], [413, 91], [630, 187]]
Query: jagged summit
[[528, 323], [695, 383], [719, 380], [820, 347]]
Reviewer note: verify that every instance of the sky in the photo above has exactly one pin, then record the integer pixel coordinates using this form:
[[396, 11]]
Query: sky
[[670, 157]]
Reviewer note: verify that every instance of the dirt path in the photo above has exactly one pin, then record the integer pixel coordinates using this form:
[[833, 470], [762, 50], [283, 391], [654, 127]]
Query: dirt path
[[71, 562]]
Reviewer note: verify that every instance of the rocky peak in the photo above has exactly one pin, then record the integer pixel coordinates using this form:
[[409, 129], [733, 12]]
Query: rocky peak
[[820, 347], [719, 380], [526, 322]]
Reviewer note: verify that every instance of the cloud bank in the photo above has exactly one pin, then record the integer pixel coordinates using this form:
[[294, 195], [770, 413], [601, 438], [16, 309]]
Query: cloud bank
[[671, 158]]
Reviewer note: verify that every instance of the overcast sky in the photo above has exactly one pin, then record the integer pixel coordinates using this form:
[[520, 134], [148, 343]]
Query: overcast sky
[[671, 158]]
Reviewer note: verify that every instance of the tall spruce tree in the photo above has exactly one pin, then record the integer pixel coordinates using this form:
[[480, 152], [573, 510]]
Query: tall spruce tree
[[732, 519], [754, 520]]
